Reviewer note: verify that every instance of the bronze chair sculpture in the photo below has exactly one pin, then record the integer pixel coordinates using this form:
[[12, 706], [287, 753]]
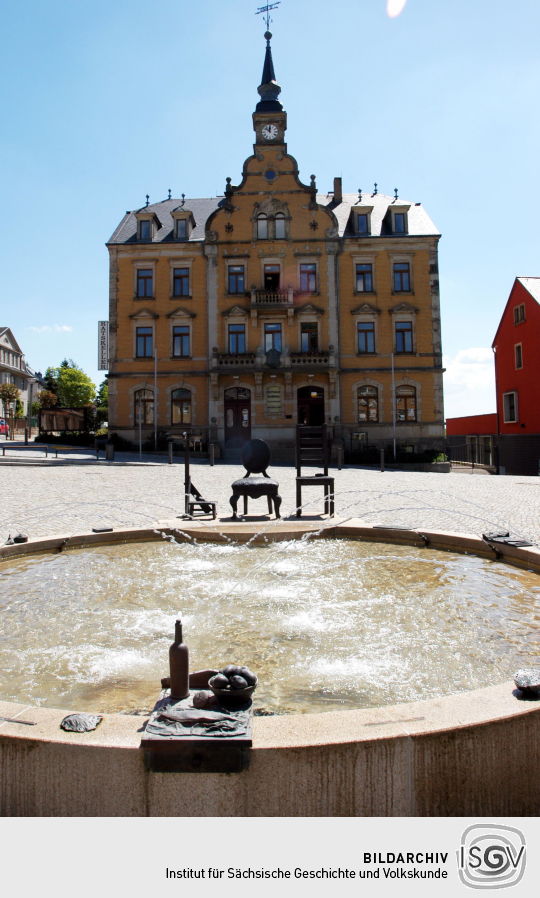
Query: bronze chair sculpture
[[255, 458]]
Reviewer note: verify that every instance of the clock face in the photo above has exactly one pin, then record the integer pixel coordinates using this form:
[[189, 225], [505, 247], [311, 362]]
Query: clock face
[[270, 132]]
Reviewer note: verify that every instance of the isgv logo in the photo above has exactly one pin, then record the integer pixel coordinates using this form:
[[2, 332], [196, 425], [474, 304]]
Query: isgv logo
[[491, 856]]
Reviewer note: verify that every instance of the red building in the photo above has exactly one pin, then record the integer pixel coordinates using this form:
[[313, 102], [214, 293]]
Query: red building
[[517, 360], [513, 433]]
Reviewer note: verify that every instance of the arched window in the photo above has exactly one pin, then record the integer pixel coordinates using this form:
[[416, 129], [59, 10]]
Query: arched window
[[405, 404], [143, 406], [368, 404], [262, 227], [280, 226], [181, 407]]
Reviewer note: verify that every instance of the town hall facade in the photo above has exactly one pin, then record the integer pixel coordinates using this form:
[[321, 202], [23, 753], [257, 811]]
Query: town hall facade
[[273, 305]]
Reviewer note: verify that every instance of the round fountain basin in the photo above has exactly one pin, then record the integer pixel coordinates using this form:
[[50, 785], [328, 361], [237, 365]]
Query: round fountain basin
[[326, 624]]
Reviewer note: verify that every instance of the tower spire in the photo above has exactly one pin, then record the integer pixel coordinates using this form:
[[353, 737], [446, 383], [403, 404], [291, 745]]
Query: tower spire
[[268, 89]]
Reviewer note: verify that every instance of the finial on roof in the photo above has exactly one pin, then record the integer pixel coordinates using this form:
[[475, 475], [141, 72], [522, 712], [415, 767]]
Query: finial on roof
[[375, 189], [147, 199], [395, 193], [359, 194], [169, 194], [266, 12], [183, 198]]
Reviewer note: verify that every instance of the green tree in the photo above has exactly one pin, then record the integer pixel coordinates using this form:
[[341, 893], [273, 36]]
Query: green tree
[[45, 399], [9, 394], [75, 388], [102, 402], [50, 380]]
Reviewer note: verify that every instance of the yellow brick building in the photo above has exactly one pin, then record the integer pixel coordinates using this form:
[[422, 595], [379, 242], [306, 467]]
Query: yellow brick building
[[244, 315]]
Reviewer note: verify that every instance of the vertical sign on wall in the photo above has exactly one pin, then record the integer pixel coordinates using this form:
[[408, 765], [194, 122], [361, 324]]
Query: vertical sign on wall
[[103, 345]]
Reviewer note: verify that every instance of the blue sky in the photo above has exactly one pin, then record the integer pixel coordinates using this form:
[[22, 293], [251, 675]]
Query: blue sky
[[108, 101]]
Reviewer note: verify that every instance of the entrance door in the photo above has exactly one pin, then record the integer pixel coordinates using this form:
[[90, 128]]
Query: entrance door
[[237, 404], [311, 406]]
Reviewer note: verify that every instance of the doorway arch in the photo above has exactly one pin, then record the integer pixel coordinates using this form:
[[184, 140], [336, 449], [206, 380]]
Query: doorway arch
[[237, 413], [310, 406]]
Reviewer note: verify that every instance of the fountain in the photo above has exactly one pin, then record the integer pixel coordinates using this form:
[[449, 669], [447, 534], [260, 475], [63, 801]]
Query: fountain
[[393, 759]]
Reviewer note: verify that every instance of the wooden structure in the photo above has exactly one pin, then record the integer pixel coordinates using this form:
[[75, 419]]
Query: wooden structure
[[312, 451]]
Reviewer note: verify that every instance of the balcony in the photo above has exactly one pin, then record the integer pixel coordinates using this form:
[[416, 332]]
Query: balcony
[[318, 360], [273, 297], [227, 361]]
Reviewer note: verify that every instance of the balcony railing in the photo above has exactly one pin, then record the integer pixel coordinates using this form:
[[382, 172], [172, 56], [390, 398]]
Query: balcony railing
[[278, 297], [232, 360], [311, 359]]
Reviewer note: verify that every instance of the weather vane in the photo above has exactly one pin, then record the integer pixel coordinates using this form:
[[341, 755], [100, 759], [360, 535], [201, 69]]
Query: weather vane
[[266, 10]]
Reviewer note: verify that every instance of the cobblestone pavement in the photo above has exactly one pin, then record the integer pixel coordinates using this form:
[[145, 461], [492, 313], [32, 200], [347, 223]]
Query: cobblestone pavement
[[58, 499]]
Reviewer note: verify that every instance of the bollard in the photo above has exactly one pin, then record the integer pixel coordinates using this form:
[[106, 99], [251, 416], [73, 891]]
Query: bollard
[[109, 451], [211, 453], [339, 457], [382, 459], [170, 452]]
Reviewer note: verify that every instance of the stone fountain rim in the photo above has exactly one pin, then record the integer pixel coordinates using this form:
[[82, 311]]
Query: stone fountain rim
[[440, 714]]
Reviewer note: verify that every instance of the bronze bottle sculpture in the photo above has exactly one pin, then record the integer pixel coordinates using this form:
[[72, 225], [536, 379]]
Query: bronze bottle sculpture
[[179, 665]]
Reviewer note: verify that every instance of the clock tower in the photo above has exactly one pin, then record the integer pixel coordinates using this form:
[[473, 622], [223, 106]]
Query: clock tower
[[269, 118]]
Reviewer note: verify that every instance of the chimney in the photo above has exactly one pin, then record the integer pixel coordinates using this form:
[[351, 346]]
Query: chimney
[[338, 195]]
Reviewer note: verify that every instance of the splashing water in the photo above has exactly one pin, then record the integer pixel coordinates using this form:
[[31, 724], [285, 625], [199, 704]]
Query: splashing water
[[326, 624]]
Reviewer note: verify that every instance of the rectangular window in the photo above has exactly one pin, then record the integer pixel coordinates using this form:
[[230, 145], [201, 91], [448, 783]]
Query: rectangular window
[[235, 279], [308, 278], [400, 223], [271, 277], [180, 281], [145, 282], [144, 348], [181, 341], [519, 314], [362, 223], [237, 339], [366, 336], [404, 336], [181, 229], [309, 336], [145, 230], [272, 337], [510, 408], [402, 277], [518, 355], [364, 277], [279, 223]]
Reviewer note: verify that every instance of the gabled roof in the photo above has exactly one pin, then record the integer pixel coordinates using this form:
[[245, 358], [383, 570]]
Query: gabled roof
[[7, 332], [531, 285]]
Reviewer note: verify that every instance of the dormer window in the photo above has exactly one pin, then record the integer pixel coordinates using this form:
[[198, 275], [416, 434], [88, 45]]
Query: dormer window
[[181, 232], [183, 223], [362, 223], [398, 219], [145, 229]]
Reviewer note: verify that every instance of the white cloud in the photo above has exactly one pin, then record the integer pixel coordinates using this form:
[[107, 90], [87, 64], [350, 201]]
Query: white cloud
[[469, 382], [395, 7], [52, 329]]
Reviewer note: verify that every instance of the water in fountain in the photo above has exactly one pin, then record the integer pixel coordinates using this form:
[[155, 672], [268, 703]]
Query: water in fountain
[[371, 667], [327, 624]]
